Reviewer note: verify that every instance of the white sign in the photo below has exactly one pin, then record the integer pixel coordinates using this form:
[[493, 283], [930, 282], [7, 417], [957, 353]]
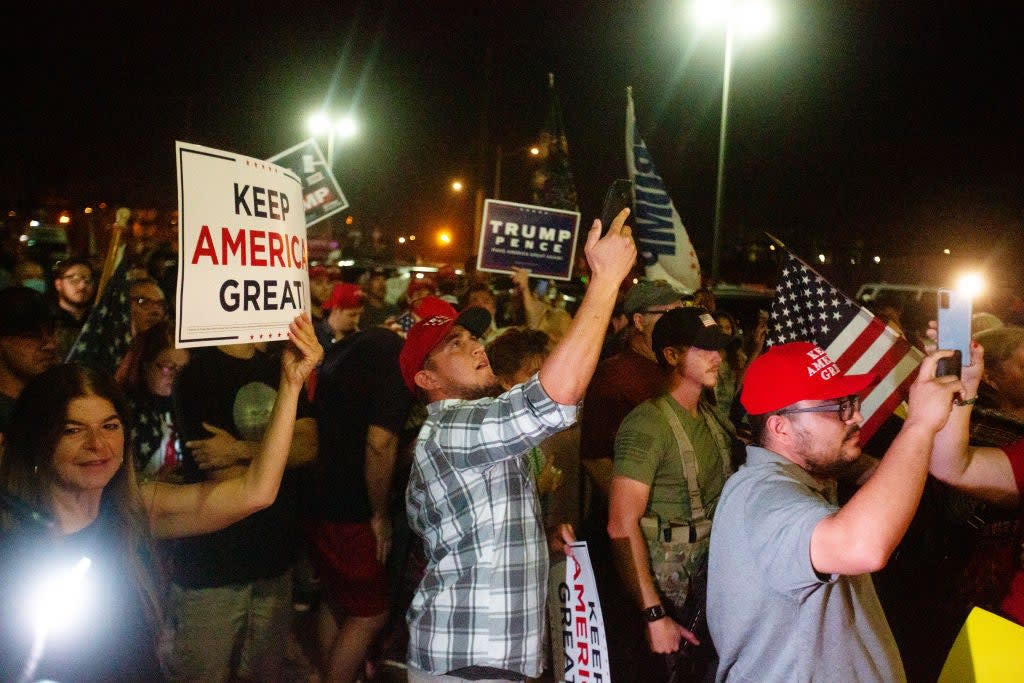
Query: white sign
[[584, 640], [242, 271]]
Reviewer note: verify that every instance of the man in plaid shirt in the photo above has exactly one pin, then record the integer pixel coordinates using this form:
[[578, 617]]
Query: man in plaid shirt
[[478, 613]]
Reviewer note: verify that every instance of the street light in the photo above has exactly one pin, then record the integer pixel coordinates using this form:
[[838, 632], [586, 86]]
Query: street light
[[499, 156], [342, 127], [746, 18]]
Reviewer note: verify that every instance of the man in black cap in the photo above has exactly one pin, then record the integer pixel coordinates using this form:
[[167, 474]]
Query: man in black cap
[[27, 344], [672, 456]]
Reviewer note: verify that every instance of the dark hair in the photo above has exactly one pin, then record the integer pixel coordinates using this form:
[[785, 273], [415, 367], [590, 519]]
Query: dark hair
[[27, 468], [64, 266], [509, 351], [757, 424], [144, 349]]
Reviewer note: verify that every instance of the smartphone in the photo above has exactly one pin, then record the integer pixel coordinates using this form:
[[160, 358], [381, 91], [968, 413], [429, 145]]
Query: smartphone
[[541, 288], [618, 197], [949, 365], [954, 322]]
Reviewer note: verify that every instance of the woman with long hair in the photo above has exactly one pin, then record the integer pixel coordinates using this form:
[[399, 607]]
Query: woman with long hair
[[146, 375], [70, 492]]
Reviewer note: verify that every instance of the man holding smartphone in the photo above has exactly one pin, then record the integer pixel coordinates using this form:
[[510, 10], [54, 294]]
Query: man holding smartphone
[[790, 596]]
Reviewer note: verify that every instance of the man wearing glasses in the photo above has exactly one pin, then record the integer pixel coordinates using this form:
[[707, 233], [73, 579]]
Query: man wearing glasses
[[148, 305], [790, 595], [74, 284]]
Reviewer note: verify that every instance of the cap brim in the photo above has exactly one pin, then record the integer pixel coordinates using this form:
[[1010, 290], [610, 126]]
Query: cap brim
[[713, 339], [475, 319]]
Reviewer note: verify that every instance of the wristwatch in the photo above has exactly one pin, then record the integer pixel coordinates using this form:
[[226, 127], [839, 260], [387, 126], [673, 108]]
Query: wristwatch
[[653, 613]]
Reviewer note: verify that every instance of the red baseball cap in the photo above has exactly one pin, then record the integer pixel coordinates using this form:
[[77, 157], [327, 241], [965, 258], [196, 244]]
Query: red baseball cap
[[429, 306], [421, 339], [798, 371], [344, 295]]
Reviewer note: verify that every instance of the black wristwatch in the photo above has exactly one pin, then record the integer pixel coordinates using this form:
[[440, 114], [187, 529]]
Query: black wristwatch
[[653, 613]]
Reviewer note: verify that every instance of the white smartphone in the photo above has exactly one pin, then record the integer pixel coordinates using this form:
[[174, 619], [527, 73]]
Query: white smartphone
[[954, 322]]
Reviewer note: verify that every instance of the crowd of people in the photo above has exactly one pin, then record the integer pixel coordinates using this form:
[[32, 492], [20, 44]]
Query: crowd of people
[[415, 468]]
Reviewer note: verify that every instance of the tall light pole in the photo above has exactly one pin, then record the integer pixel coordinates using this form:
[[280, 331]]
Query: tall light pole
[[342, 127], [749, 17]]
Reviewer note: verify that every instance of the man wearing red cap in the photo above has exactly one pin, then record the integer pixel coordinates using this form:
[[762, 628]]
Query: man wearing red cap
[[790, 595], [342, 311], [478, 613]]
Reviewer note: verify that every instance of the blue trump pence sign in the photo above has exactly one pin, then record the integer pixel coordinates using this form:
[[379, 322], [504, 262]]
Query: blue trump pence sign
[[537, 238]]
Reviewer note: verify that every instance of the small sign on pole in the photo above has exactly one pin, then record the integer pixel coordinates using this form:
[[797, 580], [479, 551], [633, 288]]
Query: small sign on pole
[[321, 195], [538, 238], [242, 269]]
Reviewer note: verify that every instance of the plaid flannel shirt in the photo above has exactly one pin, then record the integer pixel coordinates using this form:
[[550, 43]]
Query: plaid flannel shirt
[[472, 498]]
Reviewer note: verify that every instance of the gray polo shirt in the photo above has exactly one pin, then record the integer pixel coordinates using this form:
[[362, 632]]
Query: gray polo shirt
[[771, 616]]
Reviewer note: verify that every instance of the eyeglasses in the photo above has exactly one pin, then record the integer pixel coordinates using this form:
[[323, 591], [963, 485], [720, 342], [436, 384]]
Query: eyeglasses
[[78, 279], [146, 302], [169, 368], [845, 408]]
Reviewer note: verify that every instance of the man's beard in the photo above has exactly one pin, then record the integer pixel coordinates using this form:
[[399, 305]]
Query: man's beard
[[468, 392], [835, 468]]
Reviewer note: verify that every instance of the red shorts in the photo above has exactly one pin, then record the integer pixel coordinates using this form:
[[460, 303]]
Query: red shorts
[[345, 557]]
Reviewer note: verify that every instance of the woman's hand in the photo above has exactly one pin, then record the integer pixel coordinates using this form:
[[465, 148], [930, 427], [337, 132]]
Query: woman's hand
[[303, 353]]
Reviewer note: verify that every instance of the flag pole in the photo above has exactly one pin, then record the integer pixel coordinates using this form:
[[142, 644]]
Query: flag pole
[[116, 237]]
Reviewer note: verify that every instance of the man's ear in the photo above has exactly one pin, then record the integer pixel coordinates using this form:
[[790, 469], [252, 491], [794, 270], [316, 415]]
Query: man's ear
[[776, 427], [637, 320], [426, 380], [673, 356]]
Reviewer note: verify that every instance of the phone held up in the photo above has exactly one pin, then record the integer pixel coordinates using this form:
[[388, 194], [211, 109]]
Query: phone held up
[[954, 324], [618, 197]]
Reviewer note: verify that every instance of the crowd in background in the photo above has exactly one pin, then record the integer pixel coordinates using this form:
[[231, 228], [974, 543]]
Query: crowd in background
[[225, 598]]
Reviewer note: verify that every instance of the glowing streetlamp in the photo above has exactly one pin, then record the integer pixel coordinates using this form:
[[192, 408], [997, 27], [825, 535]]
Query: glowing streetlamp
[[746, 17], [343, 128], [457, 186]]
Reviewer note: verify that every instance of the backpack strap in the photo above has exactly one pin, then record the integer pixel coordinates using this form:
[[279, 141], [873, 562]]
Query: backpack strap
[[686, 455]]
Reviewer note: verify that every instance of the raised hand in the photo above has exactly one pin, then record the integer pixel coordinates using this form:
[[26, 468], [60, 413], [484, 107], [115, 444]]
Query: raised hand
[[613, 255], [303, 352]]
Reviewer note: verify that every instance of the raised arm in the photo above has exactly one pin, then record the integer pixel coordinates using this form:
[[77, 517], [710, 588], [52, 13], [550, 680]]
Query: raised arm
[[861, 536], [979, 471], [192, 509], [567, 371]]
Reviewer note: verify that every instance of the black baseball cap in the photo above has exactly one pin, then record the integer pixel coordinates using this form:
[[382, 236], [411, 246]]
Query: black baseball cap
[[24, 313], [688, 326]]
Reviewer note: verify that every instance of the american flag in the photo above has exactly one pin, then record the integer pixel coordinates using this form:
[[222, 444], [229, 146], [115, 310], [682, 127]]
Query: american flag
[[106, 334], [809, 308]]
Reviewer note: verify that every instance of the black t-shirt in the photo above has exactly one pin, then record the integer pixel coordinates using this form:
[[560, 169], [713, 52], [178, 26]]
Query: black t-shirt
[[359, 384], [110, 639], [237, 395]]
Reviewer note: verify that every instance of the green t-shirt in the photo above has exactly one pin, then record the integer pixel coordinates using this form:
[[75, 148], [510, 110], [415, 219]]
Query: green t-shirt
[[646, 451]]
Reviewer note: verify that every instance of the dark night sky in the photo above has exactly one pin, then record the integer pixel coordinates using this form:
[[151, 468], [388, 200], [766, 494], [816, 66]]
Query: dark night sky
[[898, 122]]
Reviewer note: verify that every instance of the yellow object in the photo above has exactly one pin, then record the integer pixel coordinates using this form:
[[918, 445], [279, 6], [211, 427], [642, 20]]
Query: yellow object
[[988, 649]]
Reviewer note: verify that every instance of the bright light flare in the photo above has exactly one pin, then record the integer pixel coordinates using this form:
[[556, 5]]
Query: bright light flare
[[457, 186], [749, 17], [535, 151], [318, 123], [60, 599], [346, 127], [64, 219], [444, 238], [971, 284]]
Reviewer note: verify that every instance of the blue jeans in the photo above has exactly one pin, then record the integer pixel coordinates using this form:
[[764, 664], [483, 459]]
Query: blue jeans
[[241, 630]]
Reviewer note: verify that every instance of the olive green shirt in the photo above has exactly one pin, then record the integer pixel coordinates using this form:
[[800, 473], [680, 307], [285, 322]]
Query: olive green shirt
[[647, 451]]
